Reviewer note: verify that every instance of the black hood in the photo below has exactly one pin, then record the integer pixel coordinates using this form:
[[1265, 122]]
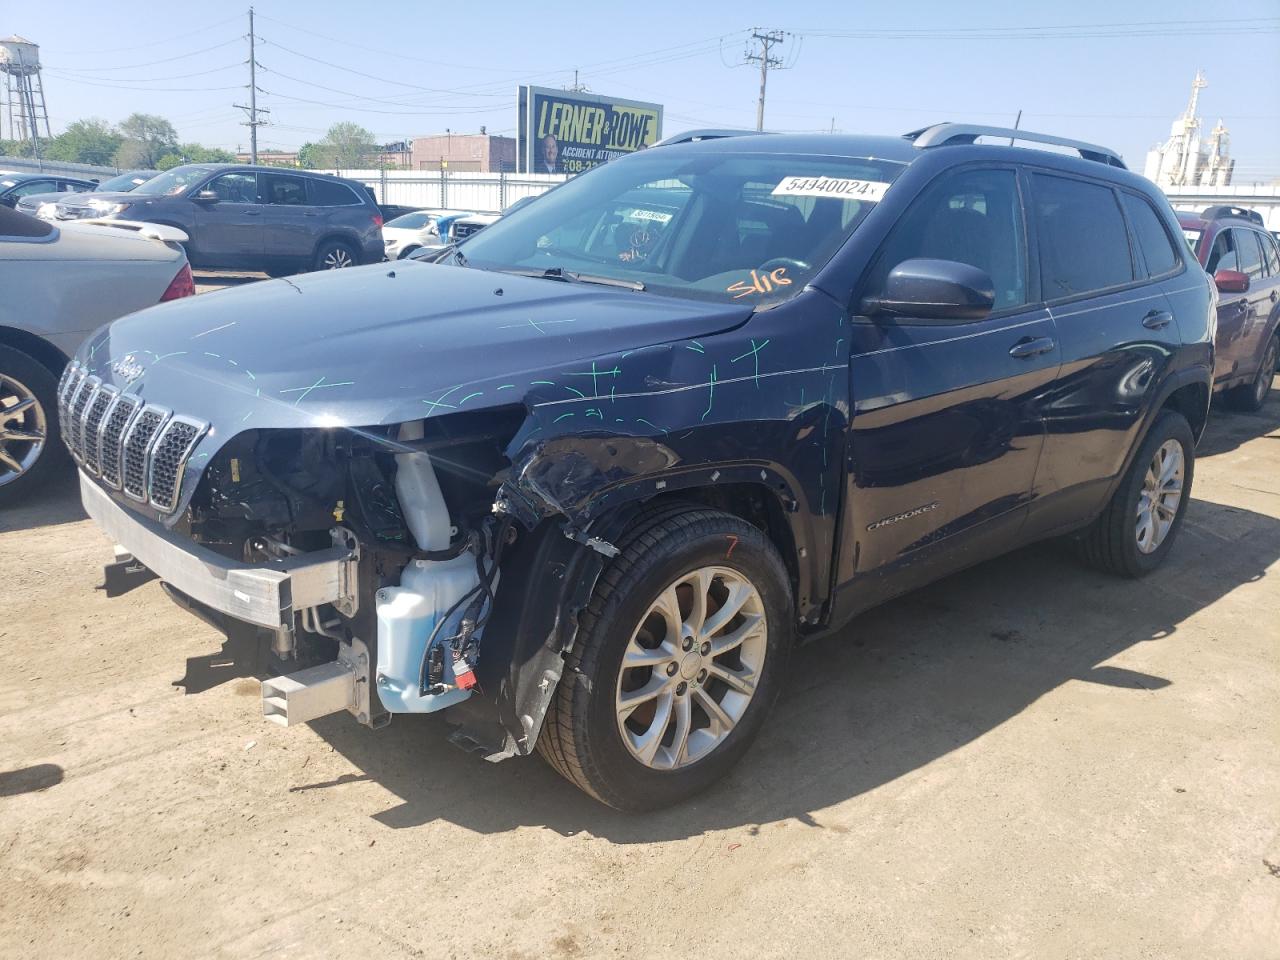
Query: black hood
[[380, 345]]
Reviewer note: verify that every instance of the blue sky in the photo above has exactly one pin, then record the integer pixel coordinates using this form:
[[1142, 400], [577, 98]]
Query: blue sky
[[415, 68]]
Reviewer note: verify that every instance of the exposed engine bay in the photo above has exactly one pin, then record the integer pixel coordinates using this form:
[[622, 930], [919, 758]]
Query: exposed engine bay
[[418, 504]]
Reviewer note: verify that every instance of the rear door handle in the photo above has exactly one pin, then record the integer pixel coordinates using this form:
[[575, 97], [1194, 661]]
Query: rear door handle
[[1031, 347], [1157, 319], [253, 213]]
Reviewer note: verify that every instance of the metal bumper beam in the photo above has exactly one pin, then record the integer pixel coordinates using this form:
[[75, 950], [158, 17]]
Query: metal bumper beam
[[265, 595]]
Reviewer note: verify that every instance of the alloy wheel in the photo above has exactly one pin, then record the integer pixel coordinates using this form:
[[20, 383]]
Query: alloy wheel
[[337, 258], [691, 668], [1160, 497], [23, 429]]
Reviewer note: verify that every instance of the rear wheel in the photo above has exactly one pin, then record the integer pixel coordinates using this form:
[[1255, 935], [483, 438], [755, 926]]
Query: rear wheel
[[30, 444], [680, 654], [1250, 396], [1137, 529], [336, 255]]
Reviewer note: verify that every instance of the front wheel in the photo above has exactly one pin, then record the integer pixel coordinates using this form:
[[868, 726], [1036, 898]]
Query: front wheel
[[30, 444], [1137, 529], [681, 652], [336, 255]]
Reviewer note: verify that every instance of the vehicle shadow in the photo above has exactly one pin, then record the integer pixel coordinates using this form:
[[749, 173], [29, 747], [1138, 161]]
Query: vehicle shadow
[[903, 685], [58, 501], [1229, 429]]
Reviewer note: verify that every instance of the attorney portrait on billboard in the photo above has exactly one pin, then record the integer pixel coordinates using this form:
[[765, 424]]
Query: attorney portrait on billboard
[[562, 131]]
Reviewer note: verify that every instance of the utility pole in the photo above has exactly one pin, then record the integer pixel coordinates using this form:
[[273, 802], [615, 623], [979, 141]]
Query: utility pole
[[766, 60], [253, 123]]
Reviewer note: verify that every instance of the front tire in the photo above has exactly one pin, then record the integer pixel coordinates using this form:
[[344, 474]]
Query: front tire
[[31, 449], [680, 653], [1137, 528]]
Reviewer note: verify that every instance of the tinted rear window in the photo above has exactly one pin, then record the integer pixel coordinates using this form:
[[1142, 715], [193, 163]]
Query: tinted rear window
[[1250, 253], [331, 193], [1153, 239], [1272, 251], [1083, 242]]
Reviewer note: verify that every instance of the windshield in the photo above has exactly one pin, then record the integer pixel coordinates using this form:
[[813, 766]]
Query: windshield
[[410, 221], [744, 227], [123, 183], [172, 182]]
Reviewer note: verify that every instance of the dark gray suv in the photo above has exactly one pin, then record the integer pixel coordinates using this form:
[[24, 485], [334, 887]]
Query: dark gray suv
[[251, 218]]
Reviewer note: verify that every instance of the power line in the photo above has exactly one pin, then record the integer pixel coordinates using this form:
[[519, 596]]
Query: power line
[[152, 63]]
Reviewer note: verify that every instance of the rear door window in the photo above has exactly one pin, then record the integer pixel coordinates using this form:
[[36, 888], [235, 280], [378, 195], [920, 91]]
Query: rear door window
[[1271, 250], [284, 190], [32, 187], [331, 193], [1250, 253], [1153, 240], [1084, 245]]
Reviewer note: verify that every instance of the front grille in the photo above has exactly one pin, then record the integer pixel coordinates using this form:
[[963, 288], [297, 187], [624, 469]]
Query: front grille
[[73, 426], [460, 231], [137, 443], [91, 428], [169, 460], [118, 418], [138, 448]]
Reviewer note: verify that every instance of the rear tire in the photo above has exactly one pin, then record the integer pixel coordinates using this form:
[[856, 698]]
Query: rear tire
[[24, 379], [1137, 528], [336, 255], [684, 738], [1250, 397]]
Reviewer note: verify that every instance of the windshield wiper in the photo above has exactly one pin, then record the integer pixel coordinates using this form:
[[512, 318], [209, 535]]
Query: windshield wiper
[[570, 276]]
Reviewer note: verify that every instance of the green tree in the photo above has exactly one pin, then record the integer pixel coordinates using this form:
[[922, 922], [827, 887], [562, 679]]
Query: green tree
[[193, 153], [147, 138], [85, 141], [346, 146]]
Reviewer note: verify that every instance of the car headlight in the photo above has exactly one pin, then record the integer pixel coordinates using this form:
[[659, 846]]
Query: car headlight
[[107, 208]]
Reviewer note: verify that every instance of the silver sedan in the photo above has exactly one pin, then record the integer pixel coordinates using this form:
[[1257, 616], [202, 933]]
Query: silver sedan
[[61, 282]]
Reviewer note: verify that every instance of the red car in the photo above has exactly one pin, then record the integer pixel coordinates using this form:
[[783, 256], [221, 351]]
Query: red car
[[1234, 246]]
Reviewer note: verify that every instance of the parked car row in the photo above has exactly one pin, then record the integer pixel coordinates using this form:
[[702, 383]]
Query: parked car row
[[31, 203], [423, 232]]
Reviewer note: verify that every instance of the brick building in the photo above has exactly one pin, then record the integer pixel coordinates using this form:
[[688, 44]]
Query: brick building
[[464, 153]]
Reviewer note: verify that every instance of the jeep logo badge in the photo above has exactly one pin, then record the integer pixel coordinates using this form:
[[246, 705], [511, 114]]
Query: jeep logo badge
[[127, 368]]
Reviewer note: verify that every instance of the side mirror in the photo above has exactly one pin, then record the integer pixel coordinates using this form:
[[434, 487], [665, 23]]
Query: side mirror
[[205, 196], [1231, 281], [934, 290]]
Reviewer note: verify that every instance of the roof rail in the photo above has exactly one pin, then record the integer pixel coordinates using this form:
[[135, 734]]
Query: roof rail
[[706, 133], [1225, 210], [950, 133]]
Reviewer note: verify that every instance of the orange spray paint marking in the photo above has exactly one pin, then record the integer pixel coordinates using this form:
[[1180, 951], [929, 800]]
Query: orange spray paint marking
[[761, 282]]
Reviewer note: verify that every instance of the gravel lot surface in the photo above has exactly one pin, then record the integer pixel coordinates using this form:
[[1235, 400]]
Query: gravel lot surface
[[1026, 760]]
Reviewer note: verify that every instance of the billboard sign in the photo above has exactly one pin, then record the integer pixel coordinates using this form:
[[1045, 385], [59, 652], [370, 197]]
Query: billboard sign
[[562, 131]]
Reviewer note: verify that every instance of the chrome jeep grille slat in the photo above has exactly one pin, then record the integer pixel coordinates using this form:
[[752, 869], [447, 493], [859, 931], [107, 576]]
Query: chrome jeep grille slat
[[113, 430], [137, 446], [169, 460], [73, 426], [91, 428]]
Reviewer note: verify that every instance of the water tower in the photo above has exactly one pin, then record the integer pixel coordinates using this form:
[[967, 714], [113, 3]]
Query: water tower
[[24, 92]]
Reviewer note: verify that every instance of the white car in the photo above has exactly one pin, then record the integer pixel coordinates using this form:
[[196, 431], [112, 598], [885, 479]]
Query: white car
[[407, 233], [464, 227], [61, 282]]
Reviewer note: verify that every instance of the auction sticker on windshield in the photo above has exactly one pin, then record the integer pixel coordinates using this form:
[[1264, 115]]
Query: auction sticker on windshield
[[838, 187]]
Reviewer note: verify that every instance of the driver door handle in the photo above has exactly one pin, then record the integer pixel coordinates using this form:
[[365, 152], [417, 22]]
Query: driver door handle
[[1031, 347], [1157, 319]]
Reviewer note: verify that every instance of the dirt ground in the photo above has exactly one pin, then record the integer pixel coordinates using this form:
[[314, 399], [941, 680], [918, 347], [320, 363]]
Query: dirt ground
[[1026, 760]]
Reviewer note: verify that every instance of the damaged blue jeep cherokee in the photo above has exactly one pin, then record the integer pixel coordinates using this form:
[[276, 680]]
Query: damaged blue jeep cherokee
[[584, 483]]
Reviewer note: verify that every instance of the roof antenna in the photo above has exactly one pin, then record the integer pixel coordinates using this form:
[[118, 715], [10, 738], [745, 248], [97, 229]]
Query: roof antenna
[[1016, 124]]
